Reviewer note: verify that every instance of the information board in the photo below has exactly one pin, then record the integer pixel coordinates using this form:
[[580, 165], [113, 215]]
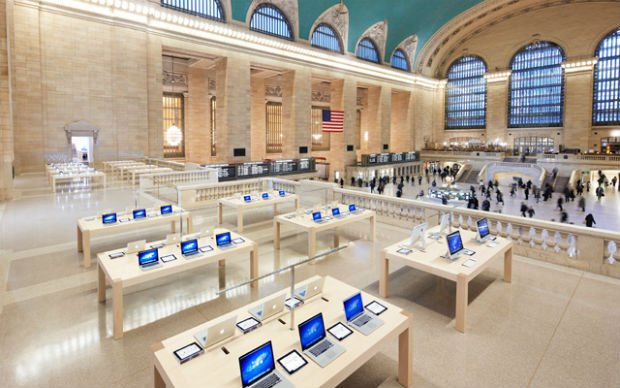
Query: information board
[[389, 158]]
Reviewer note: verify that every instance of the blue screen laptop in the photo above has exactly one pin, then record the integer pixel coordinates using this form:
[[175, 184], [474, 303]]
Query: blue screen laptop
[[314, 343], [258, 368], [148, 258], [166, 209], [247, 198], [336, 212], [352, 208], [282, 193], [109, 218], [223, 240], [356, 318], [189, 247], [265, 195], [139, 213], [316, 217]]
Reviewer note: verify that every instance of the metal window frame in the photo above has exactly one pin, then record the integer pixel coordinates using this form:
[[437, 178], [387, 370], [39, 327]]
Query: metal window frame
[[284, 19], [190, 7], [467, 104]]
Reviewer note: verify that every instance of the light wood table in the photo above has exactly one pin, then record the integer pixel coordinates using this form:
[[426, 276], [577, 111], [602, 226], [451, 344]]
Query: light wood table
[[125, 271], [89, 227], [430, 261], [305, 222], [240, 205], [92, 175], [214, 368]]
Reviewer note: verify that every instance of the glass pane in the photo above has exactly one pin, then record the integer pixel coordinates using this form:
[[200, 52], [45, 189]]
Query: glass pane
[[326, 37], [268, 19], [466, 94], [606, 97], [210, 9], [367, 50]]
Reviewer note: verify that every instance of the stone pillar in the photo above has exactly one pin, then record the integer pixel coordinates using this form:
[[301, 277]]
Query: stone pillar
[[197, 123], [385, 118], [155, 92], [296, 103], [374, 122], [578, 108], [400, 128], [233, 103], [259, 118], [423, 98], [6, 115], [497, 109]]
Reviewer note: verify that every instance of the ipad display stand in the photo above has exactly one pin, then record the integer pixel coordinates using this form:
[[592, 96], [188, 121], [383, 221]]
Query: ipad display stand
[[290, 268]]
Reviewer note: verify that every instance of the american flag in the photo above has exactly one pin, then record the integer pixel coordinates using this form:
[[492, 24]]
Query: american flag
[[333, 120]]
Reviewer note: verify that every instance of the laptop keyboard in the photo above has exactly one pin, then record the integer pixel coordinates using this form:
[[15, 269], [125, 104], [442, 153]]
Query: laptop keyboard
[[320, 348], [361, 321], [268, 381]]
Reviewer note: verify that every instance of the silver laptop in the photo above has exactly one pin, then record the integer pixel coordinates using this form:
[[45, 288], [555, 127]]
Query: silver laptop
[[268, 308], [136, 246], [173, 238], [314, 341], [361, 321], [258, 369], [216, 333], [309, 290]]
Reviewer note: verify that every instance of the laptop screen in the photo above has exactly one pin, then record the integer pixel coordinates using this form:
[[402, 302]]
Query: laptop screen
[[222, 239], [139, 213], [352, 207], [265, 195], [109, 218], [147, 257], [353, 306], [282, 193], [483, 227], [256, 364], [335, 211], [247, 198], [166, 209], [311, 331], [455, 244], [316, 216], [189, 246]]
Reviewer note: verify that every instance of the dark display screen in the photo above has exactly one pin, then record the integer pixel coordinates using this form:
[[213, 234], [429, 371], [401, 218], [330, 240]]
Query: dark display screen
[[387, 158], [228, 172]]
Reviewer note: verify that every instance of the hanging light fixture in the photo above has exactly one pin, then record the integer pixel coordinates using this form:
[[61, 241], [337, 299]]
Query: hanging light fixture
[[174, 135]]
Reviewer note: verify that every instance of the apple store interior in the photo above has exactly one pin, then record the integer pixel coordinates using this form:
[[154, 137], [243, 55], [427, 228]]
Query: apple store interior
[[310, 193]]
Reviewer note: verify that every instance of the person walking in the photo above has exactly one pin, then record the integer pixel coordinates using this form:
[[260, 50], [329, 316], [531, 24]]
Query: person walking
[[530, 212], [523, 209], [564, 217], [582, 203], [560, 203], [527, 193], [590, 220]]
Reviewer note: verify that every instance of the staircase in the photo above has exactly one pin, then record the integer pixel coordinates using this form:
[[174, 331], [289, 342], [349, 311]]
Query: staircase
[[560, 184], [469, 175]]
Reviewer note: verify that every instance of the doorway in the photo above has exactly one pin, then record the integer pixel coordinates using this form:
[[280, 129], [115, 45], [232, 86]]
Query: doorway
[[82, 149]]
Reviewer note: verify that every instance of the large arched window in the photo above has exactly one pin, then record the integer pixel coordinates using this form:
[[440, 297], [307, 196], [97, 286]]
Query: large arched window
[[325, 37], [537, 87], [606, 101], [399, 60], [210, 9], [466, 94], [269, 19], [367, 50]]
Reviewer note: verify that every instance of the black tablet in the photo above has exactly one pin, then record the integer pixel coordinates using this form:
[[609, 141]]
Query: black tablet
[[340, 331], [188, 352], [375, 307], [292, 362], [248, 325]]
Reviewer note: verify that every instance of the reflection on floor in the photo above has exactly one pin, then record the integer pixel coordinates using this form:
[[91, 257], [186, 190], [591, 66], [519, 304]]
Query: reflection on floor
[[552, 327]]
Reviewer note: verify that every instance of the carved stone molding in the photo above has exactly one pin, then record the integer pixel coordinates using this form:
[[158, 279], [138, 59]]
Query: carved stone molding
[[378, 33], [336, 16], [321, 93], [409, 46], [289, 7], [174, 79], [81, 128], [273, 91]]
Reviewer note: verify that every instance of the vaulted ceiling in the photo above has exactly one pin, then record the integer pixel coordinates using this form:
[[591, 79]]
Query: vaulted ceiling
[[404, 17]]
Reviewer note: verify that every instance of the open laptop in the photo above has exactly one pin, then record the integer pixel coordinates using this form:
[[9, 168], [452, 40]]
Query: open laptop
[[363, 322], [353, 209], [309, 290], [149, 259], [316, 217], [455, 245], [108, 219], [189, 247], [258, 369], [268, 308], [166, 209], [216, 333], [139, 213], [136, 246], [282, 193], [223, 240], [265, 195], [336, 213], [484, 234], [247, 198], [314, 341], [443, 224]]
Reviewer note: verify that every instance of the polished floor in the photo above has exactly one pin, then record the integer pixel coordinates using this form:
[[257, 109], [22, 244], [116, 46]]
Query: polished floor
[[551, 327]]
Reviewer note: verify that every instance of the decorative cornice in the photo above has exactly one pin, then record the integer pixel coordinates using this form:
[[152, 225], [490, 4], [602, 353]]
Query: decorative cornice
[[336, 16], [378, 33], [498, 76], [578, 65]]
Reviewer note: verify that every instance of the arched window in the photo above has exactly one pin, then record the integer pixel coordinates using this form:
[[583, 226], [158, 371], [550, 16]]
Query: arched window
[[325, 37], [606, 101], [210, 9], [399, 60], [367, 50], [537, 87], [466, 94], [269, 19]]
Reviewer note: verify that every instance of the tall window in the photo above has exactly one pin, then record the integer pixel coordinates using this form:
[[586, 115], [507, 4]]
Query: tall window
[[173, 120], [533, 145], [213, 107], [320, 139], [269, 19], [274, 127], [399, 60], [537, 87], [367, 50], [210, 9], [606, 104], [466, 94], [325, 37]]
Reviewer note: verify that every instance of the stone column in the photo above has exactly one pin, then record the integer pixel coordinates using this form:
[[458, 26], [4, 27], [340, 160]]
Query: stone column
[[233, 103], [400, 128], [155, 92], [197, 125], [296, 104], [374, 122], [497, 107], [578, 107], [259, 118], [6, 115], [385, 115]]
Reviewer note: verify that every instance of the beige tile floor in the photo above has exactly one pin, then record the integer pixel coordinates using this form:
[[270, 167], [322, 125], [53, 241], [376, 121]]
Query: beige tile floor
[[552, 327]]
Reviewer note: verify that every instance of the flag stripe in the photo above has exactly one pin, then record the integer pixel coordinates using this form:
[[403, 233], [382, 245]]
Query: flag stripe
[[333, 121]]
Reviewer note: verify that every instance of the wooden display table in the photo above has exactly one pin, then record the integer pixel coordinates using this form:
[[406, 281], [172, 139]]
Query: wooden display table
[[214, 368], [240, 205], [125, 271], [91, 175], [431, 262], [89, 227], [305, 222]]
